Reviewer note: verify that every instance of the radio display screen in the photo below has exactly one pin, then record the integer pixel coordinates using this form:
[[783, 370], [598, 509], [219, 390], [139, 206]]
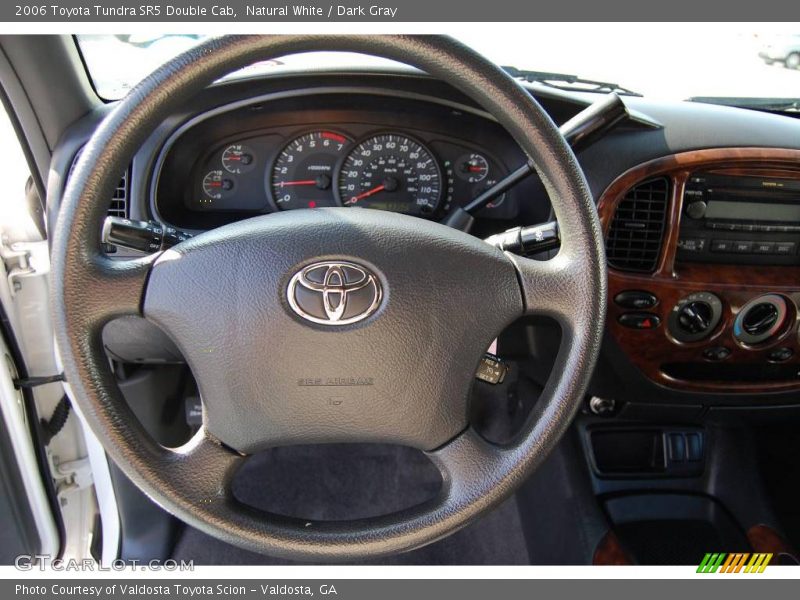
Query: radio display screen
[[746, 198], [738, 210]]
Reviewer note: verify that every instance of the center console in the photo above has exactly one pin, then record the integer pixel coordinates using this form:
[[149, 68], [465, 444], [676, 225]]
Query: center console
[[704, 269]]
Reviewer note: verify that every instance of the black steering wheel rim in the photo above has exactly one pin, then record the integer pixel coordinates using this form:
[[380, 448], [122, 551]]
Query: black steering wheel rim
[[193, 482]]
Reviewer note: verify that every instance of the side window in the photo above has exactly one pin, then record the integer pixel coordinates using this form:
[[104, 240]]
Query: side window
[[19, 200]]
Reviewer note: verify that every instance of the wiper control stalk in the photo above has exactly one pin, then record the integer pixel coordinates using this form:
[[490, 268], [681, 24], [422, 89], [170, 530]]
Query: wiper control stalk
[[144, 236], [528, 241]]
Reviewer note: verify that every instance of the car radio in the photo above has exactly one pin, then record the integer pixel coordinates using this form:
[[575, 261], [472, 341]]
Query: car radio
[[740, 219]]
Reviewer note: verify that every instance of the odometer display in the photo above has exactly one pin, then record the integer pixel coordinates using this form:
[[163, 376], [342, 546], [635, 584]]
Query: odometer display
[[391, 172]]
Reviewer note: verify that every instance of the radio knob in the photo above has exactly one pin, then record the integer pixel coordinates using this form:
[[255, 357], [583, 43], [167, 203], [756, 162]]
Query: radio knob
[[696, 209], [695, 317]]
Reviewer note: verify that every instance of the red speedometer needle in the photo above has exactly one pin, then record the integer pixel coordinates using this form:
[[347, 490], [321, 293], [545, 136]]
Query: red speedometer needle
[[300, 182], [367, 194]]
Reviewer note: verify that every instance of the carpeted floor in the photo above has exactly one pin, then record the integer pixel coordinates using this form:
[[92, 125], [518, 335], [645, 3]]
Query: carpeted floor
[[344, 482]]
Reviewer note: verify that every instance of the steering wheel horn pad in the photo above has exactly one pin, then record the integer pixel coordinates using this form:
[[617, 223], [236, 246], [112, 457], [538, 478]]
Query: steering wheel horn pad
[[268, 377], [222, 296]]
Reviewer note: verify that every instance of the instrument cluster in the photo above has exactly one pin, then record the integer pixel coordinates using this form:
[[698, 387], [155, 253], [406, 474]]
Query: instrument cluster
[[387, 170], [410, 155]]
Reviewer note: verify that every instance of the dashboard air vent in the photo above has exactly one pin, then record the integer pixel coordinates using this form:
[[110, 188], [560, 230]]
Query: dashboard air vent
[[637, 228], [119, 201]]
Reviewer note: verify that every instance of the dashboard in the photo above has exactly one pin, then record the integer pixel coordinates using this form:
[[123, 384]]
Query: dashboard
[[400, 141], [347, 149]]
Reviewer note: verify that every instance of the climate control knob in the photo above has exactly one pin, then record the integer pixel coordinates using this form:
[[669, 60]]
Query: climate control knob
[[695, 317], [760, 319]]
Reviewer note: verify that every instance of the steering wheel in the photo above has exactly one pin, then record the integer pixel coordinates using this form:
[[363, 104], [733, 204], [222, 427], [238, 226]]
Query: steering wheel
[[401, 312]]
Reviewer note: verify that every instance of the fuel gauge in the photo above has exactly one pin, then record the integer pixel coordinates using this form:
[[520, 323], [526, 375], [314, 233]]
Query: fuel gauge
[[472, 168]]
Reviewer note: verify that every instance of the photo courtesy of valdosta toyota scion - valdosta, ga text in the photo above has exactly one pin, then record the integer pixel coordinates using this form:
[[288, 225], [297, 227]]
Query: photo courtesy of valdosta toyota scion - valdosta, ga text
[[100, 590]]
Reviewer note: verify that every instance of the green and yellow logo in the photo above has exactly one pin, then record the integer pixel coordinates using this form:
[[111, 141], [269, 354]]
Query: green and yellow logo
[[715, 562]]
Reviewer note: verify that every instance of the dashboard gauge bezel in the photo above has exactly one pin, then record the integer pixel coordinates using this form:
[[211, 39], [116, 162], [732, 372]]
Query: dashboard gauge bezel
[[243, 169], [443, 183], [272, 163], [222, 193], [471, 179]]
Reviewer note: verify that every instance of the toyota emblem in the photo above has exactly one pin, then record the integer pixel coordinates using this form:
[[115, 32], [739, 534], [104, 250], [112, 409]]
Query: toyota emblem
[[334, 293]]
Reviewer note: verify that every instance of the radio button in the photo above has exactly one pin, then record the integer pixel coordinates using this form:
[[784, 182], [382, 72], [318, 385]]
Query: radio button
[[763, 247], [722, 225], [725, 226], [722, 245], [692, 244], [742, 247], [785, 248]]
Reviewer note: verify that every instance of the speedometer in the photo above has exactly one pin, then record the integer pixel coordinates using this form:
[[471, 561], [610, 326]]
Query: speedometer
[[391, 172]]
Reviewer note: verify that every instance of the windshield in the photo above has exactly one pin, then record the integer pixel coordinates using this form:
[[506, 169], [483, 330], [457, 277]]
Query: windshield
[[733, 65]]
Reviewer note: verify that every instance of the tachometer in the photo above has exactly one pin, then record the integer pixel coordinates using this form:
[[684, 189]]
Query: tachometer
[[391, 172], [302, 176]]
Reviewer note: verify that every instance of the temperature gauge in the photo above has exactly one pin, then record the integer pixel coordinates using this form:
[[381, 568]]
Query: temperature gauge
[[216, 185]]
